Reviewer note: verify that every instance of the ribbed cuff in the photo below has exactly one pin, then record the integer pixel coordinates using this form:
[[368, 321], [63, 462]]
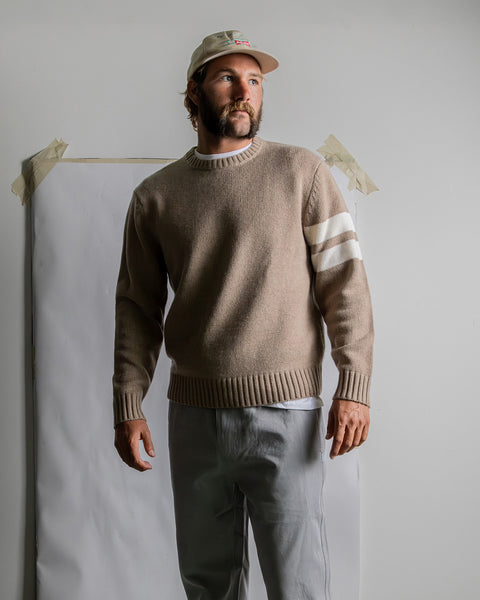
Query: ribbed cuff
[[127, 406], [353, 386]]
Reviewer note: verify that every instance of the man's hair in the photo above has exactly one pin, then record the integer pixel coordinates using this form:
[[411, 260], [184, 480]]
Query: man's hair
[[198, 77]]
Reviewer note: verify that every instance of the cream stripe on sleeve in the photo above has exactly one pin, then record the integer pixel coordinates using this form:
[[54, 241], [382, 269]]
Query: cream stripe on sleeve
[[336, 256], [326, 230], [321, 232]]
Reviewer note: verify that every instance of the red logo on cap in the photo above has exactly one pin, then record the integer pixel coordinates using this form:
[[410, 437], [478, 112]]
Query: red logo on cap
[[242, 43]]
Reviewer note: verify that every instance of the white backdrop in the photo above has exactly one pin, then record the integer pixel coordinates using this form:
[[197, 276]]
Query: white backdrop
[[105, 530]]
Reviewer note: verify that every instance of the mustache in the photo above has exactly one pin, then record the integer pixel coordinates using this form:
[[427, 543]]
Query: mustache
[[237, 105]]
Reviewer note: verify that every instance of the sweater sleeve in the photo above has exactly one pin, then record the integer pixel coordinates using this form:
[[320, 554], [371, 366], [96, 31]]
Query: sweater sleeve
[[340, 285], [140, 300]]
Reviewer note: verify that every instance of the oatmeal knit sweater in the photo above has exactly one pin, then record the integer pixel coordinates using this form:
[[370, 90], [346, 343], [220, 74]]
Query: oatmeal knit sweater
[[260, 251]]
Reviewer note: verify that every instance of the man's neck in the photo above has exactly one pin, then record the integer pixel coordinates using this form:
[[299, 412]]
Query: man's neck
[[209, 144]]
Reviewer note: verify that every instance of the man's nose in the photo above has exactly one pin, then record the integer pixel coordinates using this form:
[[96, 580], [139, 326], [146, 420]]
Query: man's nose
[[242, 90]]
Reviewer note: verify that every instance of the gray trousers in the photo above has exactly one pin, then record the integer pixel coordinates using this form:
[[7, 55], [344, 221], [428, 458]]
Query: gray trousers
[[262, 464]]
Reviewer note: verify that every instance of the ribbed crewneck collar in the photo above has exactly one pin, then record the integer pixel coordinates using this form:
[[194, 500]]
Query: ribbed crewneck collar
[[230, 161]]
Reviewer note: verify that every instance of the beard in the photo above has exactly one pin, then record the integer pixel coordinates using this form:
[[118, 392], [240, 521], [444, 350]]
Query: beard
[[217, 121]]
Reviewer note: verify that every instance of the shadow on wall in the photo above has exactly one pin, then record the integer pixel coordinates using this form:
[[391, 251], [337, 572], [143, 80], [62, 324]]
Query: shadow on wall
[[29, 551]]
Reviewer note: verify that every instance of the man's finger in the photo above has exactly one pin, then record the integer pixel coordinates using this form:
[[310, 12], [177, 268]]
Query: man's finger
[[348, 440], [147, 442], [137, 462], [331, 424], [131, 457], [365, 431], [337, 440], [127, 440], [361, 435], [357, 440]]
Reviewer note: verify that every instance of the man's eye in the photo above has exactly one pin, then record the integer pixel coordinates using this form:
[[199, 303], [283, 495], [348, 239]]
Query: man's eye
[[226, 78], [254, 81]]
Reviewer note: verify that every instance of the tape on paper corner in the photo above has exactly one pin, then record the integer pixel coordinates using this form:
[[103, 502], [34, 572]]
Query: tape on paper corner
[[336, 154], [36, 169]]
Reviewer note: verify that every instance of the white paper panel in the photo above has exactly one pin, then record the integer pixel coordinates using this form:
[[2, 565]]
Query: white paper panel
[[105, 530]]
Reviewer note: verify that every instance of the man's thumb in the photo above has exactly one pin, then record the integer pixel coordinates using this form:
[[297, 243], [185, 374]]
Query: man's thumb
[[147, 442]]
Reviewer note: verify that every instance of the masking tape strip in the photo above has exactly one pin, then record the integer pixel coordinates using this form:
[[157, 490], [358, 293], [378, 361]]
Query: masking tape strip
[[143, 161], [35, 171], [336, 154]]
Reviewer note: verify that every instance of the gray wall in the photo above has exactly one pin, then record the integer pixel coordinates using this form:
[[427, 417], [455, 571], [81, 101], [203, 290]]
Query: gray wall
[[398, 85]]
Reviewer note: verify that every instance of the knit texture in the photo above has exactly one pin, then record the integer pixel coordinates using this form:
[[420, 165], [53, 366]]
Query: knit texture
[[260, 251]]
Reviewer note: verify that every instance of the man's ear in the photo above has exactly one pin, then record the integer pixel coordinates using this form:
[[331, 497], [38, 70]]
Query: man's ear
[[192, 91]]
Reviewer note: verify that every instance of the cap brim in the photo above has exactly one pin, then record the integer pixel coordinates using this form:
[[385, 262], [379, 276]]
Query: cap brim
[[267, 62]]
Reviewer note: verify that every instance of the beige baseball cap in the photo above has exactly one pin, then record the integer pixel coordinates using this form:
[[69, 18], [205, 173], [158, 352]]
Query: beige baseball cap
[[229, 42]]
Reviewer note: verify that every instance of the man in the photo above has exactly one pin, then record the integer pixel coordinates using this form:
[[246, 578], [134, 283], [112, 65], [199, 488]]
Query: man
[[259, 249]]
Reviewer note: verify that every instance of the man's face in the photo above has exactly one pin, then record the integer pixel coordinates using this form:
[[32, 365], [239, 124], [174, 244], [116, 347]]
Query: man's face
[[230, 98]]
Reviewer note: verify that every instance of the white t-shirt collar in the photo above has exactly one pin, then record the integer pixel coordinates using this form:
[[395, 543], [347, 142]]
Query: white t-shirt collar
[[221, 155]]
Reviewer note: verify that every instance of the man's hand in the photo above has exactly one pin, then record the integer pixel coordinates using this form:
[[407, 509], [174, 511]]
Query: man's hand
[[348, 424], [127, 440]]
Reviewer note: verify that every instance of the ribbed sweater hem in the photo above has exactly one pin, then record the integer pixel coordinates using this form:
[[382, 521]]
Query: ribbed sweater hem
[[258, 389]]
